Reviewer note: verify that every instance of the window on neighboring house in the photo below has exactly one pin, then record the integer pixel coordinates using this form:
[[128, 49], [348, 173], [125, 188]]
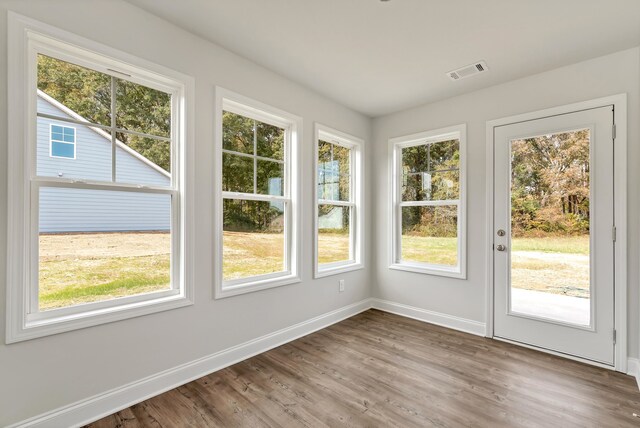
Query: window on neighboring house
[[62, 142], [429, 202], [338, 196], [106, 235], [258, 194]]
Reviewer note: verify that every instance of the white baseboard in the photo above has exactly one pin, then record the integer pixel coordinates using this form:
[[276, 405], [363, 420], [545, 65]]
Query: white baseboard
[[98, 406], [633, 369], [444, 320]]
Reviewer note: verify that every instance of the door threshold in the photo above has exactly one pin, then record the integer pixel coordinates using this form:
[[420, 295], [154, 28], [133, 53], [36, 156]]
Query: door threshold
[[556, 353]]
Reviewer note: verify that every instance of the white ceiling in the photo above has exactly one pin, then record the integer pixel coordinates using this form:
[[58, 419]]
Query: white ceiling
[[381, 57]]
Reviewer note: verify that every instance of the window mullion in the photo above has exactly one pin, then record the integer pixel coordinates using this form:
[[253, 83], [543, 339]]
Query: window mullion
[[255, 157], [113, 129]]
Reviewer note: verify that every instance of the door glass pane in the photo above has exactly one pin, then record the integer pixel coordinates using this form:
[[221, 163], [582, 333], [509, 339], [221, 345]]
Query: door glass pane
[[550, 226], [98, 245]]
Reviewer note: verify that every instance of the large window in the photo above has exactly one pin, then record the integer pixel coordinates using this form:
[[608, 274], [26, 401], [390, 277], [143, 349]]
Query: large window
[[257, 185], [428, 215], [339, 200], [105, 233]]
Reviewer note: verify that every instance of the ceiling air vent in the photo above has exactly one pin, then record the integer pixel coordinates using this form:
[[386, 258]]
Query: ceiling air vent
[[469, 70]]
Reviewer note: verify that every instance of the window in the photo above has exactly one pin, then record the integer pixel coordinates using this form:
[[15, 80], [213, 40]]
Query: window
[[256, 149], [428, 213], [106, 233], [339, 192], [63, 142]]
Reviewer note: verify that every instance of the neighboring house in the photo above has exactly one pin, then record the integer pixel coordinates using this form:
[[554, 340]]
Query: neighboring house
[[77, 151]]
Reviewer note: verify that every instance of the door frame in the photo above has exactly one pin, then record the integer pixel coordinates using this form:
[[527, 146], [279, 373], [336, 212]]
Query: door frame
[[620, 216]]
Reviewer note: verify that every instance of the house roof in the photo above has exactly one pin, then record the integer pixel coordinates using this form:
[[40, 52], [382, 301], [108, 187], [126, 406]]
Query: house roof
[[101, 132]]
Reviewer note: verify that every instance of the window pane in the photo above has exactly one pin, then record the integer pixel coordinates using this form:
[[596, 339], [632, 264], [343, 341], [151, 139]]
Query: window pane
[[324, 152], [551, 215], [237, 173], [142, 109], [98, 245], [253, 238], [141, 160], [270, 178], [237, 133], [270, 141], [86, 92], [92, 149], [429, 235], [444, 155], [433, 186], [342, 157], [415, 159], [333, 234], [334, 168], [62, 150]]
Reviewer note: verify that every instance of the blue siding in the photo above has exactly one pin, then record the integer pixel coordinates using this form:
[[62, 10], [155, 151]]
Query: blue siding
[[70, 210], [87, 210]]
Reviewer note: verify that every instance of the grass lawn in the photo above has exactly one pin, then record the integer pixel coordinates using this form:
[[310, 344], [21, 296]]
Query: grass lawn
[[248, 254], [82, 268], [558, 265], [88, 267]]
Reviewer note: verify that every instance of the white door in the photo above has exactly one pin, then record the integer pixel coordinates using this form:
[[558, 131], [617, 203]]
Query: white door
[[554, 233]]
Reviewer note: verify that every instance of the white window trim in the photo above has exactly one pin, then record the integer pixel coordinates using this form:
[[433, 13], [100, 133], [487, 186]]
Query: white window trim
[[51, 141], [25, 36], [226, 100], [395, 225], [356, 145]]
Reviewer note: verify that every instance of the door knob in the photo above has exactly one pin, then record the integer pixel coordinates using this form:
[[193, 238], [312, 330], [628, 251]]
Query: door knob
[[501, 247]]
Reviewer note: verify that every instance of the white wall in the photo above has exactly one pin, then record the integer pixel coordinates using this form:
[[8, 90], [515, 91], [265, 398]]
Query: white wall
[[44, 374], [608, 75]]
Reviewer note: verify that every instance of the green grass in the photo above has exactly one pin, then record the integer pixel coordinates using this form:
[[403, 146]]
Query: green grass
[[440, 251], [558, 265], [80, 268], [556, 244], [66, 282]]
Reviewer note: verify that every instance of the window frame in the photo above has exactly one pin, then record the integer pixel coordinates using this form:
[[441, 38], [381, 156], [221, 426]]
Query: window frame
[[226, 100], [27, 39], [52, 141], [355, 203], [395, 186]]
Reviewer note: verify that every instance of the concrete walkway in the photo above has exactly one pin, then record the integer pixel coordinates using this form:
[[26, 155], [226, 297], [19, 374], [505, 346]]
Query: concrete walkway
[[574, 310]]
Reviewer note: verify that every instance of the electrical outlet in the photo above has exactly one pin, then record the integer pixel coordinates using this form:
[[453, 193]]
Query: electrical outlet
[[341, 285]]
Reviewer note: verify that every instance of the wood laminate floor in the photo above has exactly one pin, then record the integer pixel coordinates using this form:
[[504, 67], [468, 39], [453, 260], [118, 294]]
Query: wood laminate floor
[[379, 369]]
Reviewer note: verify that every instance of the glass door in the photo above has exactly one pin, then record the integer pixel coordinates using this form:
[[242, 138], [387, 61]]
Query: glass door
[[553, 261]]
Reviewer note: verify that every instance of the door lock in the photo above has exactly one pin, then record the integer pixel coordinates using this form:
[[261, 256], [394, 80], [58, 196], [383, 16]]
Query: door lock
[[501, 232], [501, 247]]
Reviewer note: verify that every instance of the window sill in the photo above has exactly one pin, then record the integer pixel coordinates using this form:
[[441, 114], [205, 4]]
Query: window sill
[[253, 284], [330, 270], [34, 328], [429, 270]]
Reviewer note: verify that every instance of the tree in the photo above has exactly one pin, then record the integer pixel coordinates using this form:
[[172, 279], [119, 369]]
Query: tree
[[88, 93], [550, 184]]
